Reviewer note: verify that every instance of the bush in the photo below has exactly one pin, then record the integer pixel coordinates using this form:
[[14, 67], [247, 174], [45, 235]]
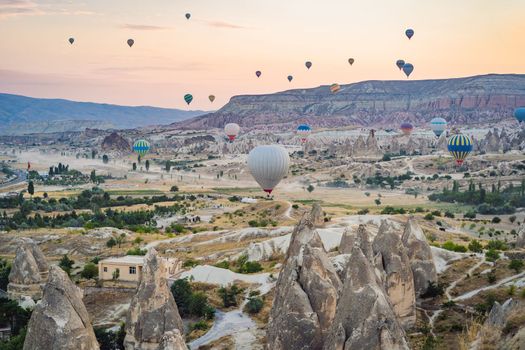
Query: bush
[[516, 265], [449, 214], [198, 306], [254, 305], [229, 295], [496, 220], [491, 277], [200, 325], [136, 251], [512, 218], [449, 245], [225, 264], [492, 255], [475, 246], [429, 216], [436, 213], [190, 263], [174, 188], [90, 271], [469, 215], [250, 267], [434, 290], [496, 245], [295, 206], [363, 211]]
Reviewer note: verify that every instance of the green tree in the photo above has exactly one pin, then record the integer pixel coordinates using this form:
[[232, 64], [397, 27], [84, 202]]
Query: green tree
[[105, 159], [5, 269], [66, 264], [377, 201], [147, 164], [516, 265], [89, 271], [168, 166], [134, 166], [93, 154], [229, 295], [31, 188], [254, 305], [475, 246], [111, 242], [181, 290], [93, 176], [174, 188], [310, 188]]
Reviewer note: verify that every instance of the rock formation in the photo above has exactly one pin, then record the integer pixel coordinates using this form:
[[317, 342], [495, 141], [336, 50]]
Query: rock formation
[[115, 142], [305, 294], [153, 311], [499, 313], [398, 281], [60, 321], [420, 255], [364, 318], [172, 340], [520, 242], [28, 273]]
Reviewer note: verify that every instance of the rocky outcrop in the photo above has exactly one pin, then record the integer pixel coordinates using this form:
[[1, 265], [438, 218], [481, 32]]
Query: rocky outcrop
[[60, 321], [499, 313], [172, 340], [420, 255], [28, 272], [364, 318], [153, 311], [115, 142], [305, 294], [398, 281], [520, 241]]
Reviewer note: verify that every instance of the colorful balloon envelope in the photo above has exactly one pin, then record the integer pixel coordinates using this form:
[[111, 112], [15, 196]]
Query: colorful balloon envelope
[[232, 130], [268, 165], [334, 88], [308, 64], [409, 33], [141, 147], [519, 114], [459, 146], [71, 40], [400, 64], [406, 128], [188, 98], [408, 68], [131, 42], [438, 125], [304, 130], [211, 98], [351, 61], [290, 78], [258, 74]]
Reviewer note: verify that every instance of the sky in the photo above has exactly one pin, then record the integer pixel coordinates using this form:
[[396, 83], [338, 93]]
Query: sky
[[219, 49]]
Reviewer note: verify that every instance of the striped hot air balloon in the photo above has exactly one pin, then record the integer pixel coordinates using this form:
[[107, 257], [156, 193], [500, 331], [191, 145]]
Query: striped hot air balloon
[[188, 98], [335, 88], [438, 125], [459, 146], [141, 147], [406, 128], [303, 131]]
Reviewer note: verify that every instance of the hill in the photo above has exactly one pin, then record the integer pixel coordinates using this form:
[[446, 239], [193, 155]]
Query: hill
[[23, 115], [471, 100]]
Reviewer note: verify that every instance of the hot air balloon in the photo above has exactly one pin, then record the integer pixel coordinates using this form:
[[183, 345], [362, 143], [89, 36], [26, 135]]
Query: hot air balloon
[[258, 73], [406, 128], [290, 78], [188, 98], [308, 64], [351, 61], [408, 68], [268, 165], [303, 131], [438, 125], [400, 64], [459, 146], [71, 40], [211, 98], [232, 130], [334, 88], [409, 33], [131, 42], [519, 114], [188, 15], [141, 147]]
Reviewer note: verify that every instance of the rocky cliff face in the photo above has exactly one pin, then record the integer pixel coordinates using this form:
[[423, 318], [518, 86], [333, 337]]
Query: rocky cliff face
[[471, 100], [60, 321], [153, 311], [420, 255], [364, 318], [116, 143], [28, 273], [392, 260], [305, 294]]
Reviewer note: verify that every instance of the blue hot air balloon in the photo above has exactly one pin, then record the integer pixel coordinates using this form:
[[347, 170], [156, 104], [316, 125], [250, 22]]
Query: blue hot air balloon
[[519, 114], [409, 33], [459, 146], [408, 68], [303, 131], [438, 125], [141, 147], [400, 64]]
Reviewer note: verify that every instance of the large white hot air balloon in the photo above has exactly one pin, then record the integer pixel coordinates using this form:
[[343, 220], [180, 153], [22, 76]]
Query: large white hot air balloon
[[268, 165], [232, 130]]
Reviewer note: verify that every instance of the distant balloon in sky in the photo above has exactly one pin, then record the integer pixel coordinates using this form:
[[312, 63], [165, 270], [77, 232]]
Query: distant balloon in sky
[[408, 68], [409, 33], [131, 42], [334, 88], [212, 98], [304, 130], [232, 130], [351, 61], [438, 125], [519, 114], [308, 64], [188, 98], [268, 165], [290, 78], [71, 40], [406, 128], [400, 64], [141, 147], [188, 15], [459, 146], [258, 73]]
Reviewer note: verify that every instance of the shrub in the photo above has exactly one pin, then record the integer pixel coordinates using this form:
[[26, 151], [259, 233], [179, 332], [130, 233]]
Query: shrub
[[295, 206], [496, 244], [229, 295], [254, 305], [469, 215], [449, 214], [225, 264], [491, 277], [434, 290], [516, 265], [174, 188], [496, 220], [492, 255], [475, 246], [90, 271], [136, 251], [363, 211], [436, 213], [200, 325], [429, 216], [512, 218], [190, 263], [449, 245]]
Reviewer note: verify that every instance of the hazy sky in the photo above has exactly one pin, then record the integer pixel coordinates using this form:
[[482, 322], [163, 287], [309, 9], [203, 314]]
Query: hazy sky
[[219, 49]]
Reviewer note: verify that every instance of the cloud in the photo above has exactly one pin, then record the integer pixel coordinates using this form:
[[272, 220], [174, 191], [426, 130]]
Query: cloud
[[193, 66], [13, 8], [141, 27], [222, 24]]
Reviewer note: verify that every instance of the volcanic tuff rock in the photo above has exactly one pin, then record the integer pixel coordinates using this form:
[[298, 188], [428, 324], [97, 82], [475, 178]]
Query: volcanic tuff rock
[[172, 340], [364, 318], [391, 258], [115, 142], [153, 311], [61, 320], [462, 101], [305, 293], [420, 256], [28, 273], [520, 242]]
